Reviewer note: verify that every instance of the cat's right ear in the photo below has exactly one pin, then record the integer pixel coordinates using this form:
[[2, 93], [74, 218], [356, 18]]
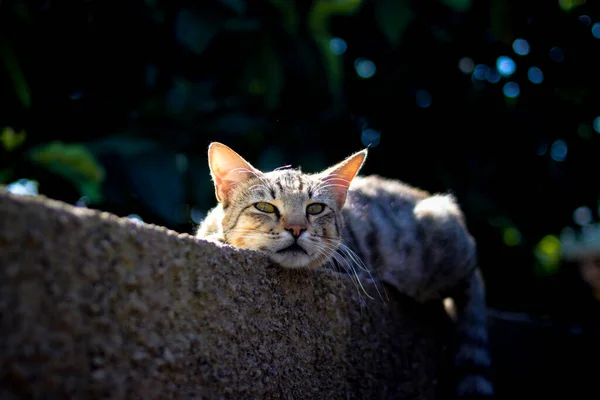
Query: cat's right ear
[[340, 175], [228, 169]]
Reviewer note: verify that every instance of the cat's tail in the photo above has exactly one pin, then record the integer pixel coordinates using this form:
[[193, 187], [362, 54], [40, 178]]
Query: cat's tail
[[472, 358]]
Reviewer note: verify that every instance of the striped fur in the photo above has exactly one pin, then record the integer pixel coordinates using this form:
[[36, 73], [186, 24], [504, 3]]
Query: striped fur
[[414, 241]]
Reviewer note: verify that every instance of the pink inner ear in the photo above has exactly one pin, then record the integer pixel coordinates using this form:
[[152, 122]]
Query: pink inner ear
[[339, 186], [340, 176], [228, 169]]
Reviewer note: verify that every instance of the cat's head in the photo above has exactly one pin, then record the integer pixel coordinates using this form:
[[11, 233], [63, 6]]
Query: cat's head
[[293, 217]]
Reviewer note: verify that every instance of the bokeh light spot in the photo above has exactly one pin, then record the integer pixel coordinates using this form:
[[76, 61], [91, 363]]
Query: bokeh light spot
[[364, 68], [423, 98], [567, 5], [541, 149], [337, 46], [511, 237], [535, 75], [547, 252], [466, 65], [505, 66], [480, 72], [585, 20], [582, 215], [370, 137], [557, 54], [558, 151], [596, 30], [521, 47], [511, 90], [492, 75], [596, 124]]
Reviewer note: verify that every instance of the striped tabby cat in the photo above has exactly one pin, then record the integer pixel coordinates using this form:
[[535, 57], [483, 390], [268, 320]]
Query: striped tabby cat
[[417, 242]]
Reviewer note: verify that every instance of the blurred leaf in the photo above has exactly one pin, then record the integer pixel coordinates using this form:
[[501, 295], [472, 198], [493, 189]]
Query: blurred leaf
[[73, 162], [289, 14], [318, 25], [16, 74], [458, 5], [20, 10], [146, 168], [273, 72], [568, 5], [393, 17], [196, 31], [10, 139], [6, 174], [323, 10]]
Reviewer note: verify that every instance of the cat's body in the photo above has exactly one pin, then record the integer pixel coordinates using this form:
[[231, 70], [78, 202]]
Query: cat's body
[[415, 242]]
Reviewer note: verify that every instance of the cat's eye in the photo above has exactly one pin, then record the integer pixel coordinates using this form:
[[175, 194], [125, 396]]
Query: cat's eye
[[265, 207], [315, 208]]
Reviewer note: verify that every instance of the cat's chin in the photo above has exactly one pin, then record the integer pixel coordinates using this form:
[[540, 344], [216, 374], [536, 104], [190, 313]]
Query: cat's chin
[[291, 260]]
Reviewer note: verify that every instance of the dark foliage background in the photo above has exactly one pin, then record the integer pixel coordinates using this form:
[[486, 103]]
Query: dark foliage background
[[112, 105]]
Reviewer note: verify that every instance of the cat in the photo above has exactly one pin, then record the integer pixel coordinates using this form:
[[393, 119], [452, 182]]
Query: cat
[[418, 242]]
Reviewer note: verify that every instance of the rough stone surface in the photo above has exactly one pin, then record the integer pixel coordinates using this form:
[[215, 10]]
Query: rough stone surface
[[95, 306]]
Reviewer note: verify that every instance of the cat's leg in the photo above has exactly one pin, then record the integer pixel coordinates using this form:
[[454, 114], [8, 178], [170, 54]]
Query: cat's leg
[[449, 269]]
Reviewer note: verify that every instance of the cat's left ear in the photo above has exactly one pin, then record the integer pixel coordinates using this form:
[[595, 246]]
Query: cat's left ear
[[340, 176], [228, 169]]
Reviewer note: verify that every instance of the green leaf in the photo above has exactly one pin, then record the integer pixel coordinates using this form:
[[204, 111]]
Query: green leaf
[[289, 15], [393, 17], [16, 74], [270, 81], [318, 26], [73, 162]]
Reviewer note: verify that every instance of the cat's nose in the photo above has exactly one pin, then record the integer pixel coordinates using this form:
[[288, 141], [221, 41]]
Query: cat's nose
[[295, 229]]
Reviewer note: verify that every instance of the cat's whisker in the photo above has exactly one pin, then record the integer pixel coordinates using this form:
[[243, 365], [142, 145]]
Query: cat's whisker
[[324, 253], [344, 262], [327, 186], [259, 186], [332, 179], [364, 267], [357, 261], [257, 175], [395, 227], [241, 169]]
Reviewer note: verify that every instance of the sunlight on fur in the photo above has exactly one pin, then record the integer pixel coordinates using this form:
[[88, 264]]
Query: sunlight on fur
[[365, 227]]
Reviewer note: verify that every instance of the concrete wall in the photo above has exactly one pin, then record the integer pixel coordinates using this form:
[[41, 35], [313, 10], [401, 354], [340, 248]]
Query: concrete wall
[[95, 306]]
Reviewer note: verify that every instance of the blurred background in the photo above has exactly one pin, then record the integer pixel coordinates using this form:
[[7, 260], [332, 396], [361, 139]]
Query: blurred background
[[112, 106]]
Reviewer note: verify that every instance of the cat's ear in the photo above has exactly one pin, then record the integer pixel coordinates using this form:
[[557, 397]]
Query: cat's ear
[[340, 176], [228, 169]]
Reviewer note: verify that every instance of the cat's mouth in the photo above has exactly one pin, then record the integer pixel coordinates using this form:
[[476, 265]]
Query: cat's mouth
[[293, 248]]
